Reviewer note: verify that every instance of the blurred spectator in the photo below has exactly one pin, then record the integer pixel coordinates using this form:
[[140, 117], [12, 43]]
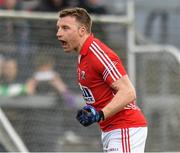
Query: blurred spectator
[[46, 81], [93, 6], [9, 71], [11, 5], [29, 5], [10, 84], [51, 5], [1, 2]]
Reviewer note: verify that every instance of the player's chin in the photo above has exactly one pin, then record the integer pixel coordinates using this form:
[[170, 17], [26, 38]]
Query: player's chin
[[67, 50]]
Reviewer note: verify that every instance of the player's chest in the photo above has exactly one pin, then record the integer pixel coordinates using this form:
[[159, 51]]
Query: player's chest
[[85, 76], [89, 80]]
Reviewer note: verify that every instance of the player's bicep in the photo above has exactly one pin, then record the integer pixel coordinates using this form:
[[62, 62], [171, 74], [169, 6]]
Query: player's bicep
[[124, 87], [122, 83]]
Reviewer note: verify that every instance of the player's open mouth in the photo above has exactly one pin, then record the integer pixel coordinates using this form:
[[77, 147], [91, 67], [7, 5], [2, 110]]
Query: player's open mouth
[[63, 43]]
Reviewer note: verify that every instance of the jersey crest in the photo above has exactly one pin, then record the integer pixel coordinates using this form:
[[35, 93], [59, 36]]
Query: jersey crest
[[83, 75]]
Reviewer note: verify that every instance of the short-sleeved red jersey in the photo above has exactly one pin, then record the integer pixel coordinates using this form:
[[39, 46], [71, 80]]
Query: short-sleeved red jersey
[[98, 68]]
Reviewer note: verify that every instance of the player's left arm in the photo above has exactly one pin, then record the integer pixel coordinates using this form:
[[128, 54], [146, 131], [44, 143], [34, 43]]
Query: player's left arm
[[124, 95]]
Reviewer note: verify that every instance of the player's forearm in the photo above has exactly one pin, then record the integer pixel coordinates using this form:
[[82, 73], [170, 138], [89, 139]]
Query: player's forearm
[[120, 100]]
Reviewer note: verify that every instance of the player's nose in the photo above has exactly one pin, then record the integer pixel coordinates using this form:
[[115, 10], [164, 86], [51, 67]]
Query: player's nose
[[59, 33]]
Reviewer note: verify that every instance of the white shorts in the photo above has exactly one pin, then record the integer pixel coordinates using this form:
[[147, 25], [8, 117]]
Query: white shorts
[[127, 140]]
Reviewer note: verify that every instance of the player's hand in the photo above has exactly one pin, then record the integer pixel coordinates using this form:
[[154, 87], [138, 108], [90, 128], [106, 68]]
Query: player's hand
[[88, 115]]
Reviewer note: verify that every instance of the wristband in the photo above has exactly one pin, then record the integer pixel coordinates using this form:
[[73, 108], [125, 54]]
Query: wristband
[[101, 114]]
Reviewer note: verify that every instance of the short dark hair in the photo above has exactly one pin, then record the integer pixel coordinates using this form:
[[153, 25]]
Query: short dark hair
[[81, 15]]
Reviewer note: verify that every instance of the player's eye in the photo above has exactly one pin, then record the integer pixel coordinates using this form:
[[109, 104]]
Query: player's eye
[[65, 27]]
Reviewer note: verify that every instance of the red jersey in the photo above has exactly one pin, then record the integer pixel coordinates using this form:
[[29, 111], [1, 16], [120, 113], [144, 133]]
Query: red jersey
[[98, 68]]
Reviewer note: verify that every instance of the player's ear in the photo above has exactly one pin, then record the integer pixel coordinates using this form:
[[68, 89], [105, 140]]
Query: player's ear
[[82, 30]]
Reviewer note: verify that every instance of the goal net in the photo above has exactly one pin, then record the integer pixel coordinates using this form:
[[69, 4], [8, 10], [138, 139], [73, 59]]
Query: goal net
[[45, 121]]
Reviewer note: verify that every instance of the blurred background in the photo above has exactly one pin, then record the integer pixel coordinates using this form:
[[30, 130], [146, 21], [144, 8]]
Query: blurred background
[[39, 94]]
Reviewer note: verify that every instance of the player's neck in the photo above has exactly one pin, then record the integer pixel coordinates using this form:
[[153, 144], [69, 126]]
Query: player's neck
[[82, 41]]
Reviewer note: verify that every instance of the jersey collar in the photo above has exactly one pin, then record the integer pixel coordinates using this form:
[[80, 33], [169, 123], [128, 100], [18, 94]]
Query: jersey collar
[[86, 45]]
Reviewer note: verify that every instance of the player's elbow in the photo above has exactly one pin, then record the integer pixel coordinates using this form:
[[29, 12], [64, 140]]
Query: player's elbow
[[133, 93]]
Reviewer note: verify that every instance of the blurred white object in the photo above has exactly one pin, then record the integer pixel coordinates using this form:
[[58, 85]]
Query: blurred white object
[[44, 76]]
